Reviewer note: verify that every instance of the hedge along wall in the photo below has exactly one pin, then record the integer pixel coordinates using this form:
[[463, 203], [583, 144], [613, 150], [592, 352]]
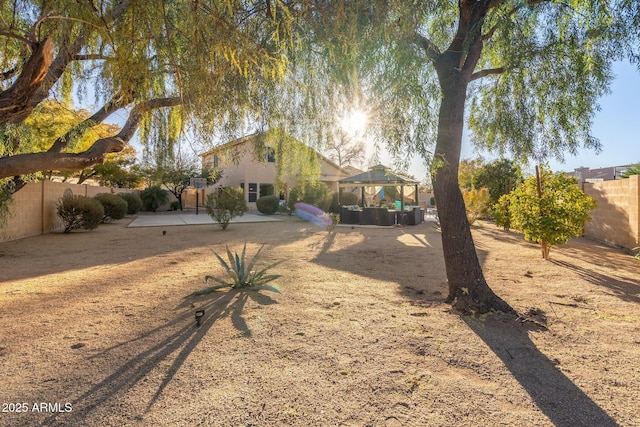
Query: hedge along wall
[[33, 210], [616, 218]]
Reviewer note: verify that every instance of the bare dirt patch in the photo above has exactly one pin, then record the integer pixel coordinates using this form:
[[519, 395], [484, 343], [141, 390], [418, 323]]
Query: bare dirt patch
[[95, 326]]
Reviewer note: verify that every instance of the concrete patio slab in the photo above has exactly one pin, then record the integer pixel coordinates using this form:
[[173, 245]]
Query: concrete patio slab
[[170, 219]]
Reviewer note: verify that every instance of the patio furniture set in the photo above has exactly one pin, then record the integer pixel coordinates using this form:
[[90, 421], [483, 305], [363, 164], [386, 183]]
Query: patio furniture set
[[411, 215]]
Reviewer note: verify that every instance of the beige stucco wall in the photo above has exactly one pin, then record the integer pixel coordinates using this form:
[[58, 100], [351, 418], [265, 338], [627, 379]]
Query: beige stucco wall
[[239, 166], [616, 218], [330, 175], [244, 169], [33, 210]]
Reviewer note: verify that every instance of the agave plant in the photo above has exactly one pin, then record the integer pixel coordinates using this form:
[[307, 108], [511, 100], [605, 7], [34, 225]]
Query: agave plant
[[240, 274]]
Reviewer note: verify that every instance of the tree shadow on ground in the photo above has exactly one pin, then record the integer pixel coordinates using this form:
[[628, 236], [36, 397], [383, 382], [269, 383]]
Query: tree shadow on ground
[[564, 403], [325, 244], [70, 255], [381, 250], [587, 250], [592, 261], [627, 291], [378, 252], [168, 344]]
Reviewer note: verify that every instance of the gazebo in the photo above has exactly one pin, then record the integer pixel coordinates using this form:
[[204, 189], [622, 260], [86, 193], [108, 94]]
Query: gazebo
[[378, 177]]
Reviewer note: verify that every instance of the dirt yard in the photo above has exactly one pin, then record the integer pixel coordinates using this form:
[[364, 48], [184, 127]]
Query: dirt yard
[[96, 331]]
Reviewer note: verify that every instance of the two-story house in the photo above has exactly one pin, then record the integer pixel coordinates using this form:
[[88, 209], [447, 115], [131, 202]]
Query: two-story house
[[254, 164], [584, 174]]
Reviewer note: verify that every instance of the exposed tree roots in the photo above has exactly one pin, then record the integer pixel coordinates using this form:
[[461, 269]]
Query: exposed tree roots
[[479, 304]]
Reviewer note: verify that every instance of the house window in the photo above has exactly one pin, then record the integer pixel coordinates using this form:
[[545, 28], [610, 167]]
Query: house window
[[216, 161], [253, 192], [266, 190], [270, 154]]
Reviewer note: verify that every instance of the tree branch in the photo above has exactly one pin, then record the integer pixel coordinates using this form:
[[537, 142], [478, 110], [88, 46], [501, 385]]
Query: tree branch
[[487, 72], [9, 74], [92, 56], [427, 45], [52, 68], [490, 33], [63, 162], [473, 18], [493, 29], [27, 38], [138, 112], [35, 162], [107, 109], [15, 102]]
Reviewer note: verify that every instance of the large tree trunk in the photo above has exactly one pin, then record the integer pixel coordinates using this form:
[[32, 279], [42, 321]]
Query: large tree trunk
[[16, 102], [468, 289]]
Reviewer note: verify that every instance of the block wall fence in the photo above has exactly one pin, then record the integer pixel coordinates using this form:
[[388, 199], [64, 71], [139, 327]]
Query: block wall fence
[[616, 218], [33, 210]]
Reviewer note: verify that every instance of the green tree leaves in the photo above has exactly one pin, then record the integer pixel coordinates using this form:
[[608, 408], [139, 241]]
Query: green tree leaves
[[549, 212], [226, 203], [631, 170], [209, 58], [499, 177]]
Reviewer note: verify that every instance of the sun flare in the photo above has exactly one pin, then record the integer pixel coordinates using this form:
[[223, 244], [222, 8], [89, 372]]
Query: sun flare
[[355, 122]]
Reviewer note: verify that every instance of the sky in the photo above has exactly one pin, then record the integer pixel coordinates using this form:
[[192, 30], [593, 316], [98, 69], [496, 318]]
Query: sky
[[616, 125]]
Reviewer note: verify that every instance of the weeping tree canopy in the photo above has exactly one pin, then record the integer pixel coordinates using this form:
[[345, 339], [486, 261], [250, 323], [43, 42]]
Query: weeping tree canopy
[[533, 71], [295, 160], [162, 65]]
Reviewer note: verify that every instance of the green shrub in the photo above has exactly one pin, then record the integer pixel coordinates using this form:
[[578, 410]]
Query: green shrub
[[501, 212], [500, 177], [224, 204], [294, 197], [315, 192], [335, 220], [285, 209], [114, 207], [476, 202], [347, 198], [325, 203], [6, 191], [80, 212], [550, 213], [240, 274], [134, 202], [268, 205], [175, 205], [153, 197], [312, 193]]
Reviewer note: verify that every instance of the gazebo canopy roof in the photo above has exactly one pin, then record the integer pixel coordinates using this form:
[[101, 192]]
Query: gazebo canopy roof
[[378, 175]]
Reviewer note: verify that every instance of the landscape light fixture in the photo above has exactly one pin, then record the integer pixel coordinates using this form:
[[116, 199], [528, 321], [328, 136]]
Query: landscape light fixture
[[199, 314]]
